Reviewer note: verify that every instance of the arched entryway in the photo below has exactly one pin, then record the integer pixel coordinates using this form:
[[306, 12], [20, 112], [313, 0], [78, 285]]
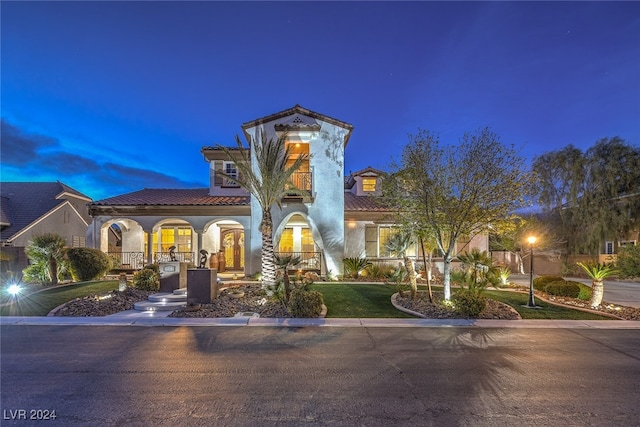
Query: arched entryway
[[298, 238]]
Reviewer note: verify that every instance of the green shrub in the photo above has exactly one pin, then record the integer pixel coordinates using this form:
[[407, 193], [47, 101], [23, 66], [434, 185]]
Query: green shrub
[[468, 302], [87, 264], [147, 279], [585, 292], [354, 266], [379, 271], [628, 261], [563, 289], [305, 303], [540, 282], [152, 267]]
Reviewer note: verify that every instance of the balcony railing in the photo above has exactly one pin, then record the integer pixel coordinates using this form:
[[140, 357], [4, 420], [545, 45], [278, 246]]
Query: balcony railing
[[127, 260], [178, 256], [311, 261], [302, 181]]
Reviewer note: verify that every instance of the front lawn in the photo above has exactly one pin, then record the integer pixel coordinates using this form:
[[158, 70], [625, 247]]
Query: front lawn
[[41, 303], [346, 300], [358, 300]]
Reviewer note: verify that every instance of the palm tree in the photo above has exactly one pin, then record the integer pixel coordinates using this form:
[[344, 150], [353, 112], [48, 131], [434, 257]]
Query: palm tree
[[480, 268], [268, 180], [47, 251], [597, 272], [398, 244]]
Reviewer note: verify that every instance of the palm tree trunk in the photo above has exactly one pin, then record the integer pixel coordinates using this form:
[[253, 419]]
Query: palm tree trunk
[[597, 292], [53, 270], [411, 270], [267, 261]]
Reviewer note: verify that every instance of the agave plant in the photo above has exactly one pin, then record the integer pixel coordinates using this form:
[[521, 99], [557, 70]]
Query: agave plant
[[597, 272]]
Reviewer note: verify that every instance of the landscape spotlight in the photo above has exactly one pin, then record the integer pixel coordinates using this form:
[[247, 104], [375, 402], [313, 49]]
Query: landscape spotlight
[[14, 289]]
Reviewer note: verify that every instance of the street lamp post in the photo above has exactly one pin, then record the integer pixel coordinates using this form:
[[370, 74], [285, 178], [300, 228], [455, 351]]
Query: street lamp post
[[532, 302]]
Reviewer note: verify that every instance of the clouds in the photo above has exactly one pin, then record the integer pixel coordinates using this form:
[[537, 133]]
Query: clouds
[[19, 148], [28, 156]]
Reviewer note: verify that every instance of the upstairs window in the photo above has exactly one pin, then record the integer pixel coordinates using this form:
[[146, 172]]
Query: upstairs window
[[369, 185], [231, 170]]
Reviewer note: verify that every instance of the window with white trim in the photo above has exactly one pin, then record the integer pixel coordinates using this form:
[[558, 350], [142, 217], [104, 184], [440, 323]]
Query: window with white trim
[[230, 169], [608, 248]]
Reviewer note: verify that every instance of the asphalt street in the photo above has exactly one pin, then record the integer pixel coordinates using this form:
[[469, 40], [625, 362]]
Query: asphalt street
[[315, 376]]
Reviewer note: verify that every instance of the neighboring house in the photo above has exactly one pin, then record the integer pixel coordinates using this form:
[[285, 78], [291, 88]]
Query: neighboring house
[[610, 247], [336, 217], [28, 209]]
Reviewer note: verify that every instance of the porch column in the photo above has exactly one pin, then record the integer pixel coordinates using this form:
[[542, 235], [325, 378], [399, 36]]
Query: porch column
[[199, 233], [149, 246]]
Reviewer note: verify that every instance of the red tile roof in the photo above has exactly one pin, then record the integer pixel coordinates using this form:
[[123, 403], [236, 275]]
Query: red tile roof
[[173, 197], [363, 203]]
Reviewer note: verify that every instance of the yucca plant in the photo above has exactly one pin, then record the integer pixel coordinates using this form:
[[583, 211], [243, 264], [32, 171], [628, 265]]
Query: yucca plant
[[597, 272], [504, 273]]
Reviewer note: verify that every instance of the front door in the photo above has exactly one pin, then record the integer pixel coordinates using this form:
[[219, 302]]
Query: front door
[[233, 246]]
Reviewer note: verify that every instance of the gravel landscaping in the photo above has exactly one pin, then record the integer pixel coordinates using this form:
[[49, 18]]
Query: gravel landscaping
[[111, 303], [493, 310], [254, 300]]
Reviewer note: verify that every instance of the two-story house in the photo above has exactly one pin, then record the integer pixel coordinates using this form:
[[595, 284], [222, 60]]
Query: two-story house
[[336, 218]]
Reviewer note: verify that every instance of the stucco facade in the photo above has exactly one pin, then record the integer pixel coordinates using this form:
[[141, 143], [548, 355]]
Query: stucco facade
[[333, 219]]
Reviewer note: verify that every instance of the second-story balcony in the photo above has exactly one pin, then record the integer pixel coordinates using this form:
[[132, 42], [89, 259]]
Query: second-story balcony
[[303, 181]]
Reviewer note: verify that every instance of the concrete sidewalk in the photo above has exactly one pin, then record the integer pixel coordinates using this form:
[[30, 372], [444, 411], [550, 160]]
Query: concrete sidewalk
[[130, 318]]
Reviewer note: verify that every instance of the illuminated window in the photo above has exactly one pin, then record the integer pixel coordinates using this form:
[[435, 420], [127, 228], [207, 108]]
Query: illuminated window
[[286, 240], [369, 184], [302, 177], [183, 242], [167, 239], [308, 244], [383, 235]]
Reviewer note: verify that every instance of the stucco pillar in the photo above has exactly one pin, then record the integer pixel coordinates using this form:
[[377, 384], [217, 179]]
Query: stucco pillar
[[149, 246], [199, 234]]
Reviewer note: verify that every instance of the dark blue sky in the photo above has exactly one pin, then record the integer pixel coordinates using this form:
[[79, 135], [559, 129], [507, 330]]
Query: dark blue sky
[[112, 97]]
